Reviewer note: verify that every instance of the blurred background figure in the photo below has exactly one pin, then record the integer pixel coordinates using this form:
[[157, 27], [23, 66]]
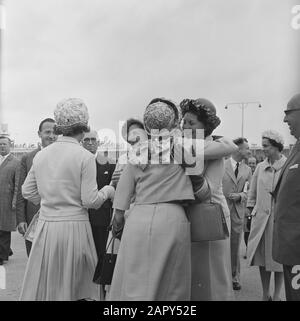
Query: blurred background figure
[[100, 218], [252, 162], [26, 209], [237, 176], [133, 132], [9, 178], [261, 207]]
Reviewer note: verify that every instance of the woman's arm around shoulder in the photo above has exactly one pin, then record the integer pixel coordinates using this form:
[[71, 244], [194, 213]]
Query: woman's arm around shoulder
[[222, 147]]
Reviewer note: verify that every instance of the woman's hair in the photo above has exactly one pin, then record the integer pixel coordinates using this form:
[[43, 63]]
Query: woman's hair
[[240, 141], [72, 130], [130, 122], [46, 120], [273, 142], [205, 112]]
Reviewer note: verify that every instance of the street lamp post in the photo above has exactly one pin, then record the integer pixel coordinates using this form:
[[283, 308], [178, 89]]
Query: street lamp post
[[3, 126], [243, 105]]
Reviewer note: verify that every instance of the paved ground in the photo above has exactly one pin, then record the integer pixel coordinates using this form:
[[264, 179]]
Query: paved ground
[[15, 268]]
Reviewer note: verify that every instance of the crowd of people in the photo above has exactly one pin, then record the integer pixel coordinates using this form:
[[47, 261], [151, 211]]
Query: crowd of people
[[71, 204]]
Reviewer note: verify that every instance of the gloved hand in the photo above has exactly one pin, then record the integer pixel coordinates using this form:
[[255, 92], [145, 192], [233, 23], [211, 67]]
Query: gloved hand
[[108, 192]]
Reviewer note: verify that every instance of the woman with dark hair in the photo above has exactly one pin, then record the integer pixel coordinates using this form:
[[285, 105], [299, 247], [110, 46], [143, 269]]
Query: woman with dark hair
[[260, 206], [211, 262], [133, 133], [63, 180]]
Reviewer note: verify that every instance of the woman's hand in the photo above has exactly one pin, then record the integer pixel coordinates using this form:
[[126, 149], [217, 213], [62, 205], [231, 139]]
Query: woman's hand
[[235, 197], [22, 227], [248, 211], [118, 223], [108, 192]]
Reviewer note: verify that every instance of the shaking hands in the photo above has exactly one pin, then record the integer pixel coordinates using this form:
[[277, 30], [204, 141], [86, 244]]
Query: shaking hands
[[108, 192]]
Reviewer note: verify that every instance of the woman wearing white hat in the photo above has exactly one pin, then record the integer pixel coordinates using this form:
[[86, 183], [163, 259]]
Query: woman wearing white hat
[[260, 206], [63, 180]]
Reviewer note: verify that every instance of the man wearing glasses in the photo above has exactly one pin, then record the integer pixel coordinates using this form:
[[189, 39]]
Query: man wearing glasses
[[100, 218], [286, 239]]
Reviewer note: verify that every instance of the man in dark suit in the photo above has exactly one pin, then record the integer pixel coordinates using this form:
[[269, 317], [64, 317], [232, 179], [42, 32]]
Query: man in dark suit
[[252, 163], [286, 237], [9, 178], [100, 218], [25, 209], [237, 174]]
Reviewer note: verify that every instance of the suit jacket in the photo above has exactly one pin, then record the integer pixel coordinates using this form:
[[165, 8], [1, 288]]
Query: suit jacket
[[102, 216], [286, 233], [25, 209], [9, 178], [232, 184]]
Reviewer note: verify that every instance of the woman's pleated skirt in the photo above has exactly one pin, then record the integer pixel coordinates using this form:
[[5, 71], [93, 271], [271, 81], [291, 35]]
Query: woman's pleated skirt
[[62, 263]]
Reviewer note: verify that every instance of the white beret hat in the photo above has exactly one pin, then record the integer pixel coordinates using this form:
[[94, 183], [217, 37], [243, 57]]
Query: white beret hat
[[274, 135]]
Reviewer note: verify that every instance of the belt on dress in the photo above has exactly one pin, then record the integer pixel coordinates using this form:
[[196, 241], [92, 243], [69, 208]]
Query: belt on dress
[[64, 216]]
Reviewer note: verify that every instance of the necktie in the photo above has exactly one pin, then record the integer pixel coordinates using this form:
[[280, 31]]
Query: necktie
[[236, 169]]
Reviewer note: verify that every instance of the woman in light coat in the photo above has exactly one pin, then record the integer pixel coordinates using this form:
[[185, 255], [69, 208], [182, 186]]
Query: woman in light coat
[[62, 179], [211, 260], [260, 205]]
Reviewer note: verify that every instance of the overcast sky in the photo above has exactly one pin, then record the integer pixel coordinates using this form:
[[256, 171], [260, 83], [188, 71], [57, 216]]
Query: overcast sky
[[119, 54]]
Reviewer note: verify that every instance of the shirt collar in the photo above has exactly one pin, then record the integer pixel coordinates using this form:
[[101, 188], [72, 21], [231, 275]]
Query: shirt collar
[[233, 163], [67, 139], [4, 157], [277, 165]]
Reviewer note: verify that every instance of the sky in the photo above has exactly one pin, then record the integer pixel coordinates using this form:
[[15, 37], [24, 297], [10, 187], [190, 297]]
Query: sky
[[119, 54]]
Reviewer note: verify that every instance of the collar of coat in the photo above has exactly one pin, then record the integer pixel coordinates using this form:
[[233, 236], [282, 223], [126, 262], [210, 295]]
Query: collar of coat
[[278, 164], [67, 139]]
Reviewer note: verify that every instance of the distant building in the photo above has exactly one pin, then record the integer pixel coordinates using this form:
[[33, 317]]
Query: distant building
[[20, 151]]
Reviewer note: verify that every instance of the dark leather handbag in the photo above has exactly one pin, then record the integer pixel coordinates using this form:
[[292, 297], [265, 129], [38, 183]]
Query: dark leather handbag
[[106, 266], [207, 220]]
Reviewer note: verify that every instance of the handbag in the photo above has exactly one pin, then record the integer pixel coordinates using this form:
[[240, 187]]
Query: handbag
[[208, 221], [106, 265]]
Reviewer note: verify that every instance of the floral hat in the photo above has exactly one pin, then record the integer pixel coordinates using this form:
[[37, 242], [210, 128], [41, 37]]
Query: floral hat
[[71, 112], [204, 108]]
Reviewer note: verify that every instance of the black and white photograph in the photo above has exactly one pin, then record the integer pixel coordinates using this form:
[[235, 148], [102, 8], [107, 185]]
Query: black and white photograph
[[149, 151]]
